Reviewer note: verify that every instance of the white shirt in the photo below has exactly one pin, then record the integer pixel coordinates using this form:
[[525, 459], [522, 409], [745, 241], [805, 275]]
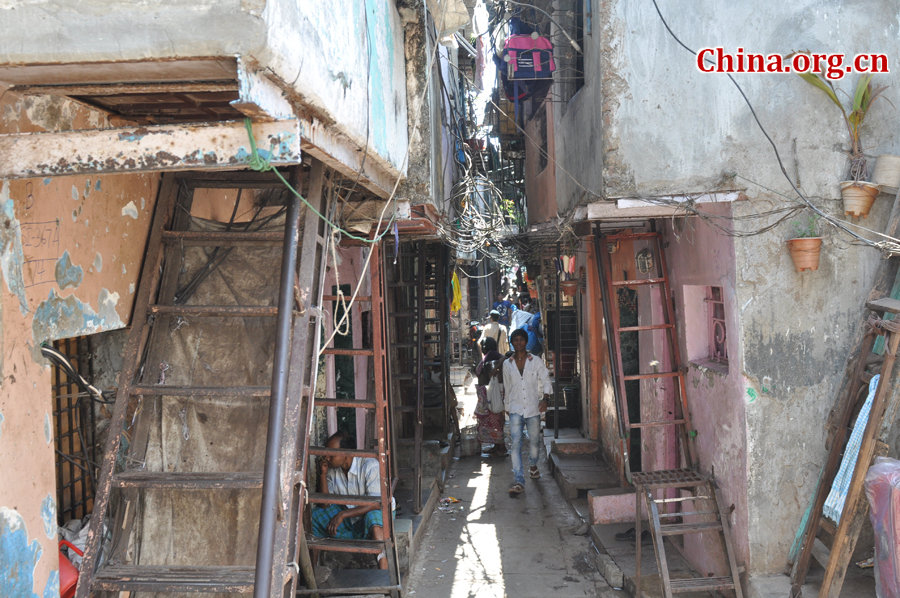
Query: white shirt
[[524, 391], [499, 333], [362, 479], [519, 319]]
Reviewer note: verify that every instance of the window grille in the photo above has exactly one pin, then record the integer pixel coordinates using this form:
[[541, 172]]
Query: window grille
[[74, 429], [718, 350]]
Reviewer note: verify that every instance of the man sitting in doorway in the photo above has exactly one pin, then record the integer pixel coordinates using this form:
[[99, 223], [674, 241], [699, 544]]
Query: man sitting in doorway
[[354, 476]]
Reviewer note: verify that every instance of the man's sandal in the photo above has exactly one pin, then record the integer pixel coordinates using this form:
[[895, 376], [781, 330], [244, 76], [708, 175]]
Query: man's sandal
[[534, 473], [516, 490]]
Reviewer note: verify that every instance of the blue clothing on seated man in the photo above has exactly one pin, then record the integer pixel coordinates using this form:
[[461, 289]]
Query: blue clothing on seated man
[[354, 528]]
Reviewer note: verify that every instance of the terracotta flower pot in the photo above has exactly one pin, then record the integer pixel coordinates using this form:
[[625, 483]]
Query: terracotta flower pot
[[887, 172], [858, 198], [569, 287], [805, 252]]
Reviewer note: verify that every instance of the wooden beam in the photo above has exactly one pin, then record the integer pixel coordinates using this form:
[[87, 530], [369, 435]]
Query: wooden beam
[[116, 89], [208, 146]]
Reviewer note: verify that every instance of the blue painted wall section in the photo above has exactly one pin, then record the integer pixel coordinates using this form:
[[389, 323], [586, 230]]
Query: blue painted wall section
[[19, 559], [11, 257], [48, 516], [58, 317], [67, 274]]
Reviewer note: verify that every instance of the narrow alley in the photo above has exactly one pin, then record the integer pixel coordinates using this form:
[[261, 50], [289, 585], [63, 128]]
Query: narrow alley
[[449, 298], [491, 545]]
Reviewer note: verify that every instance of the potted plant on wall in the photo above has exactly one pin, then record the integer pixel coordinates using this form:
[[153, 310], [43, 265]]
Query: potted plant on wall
[[806, 244], [857, 193]]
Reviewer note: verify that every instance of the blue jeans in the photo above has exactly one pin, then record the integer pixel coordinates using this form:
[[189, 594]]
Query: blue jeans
[[516, 424]]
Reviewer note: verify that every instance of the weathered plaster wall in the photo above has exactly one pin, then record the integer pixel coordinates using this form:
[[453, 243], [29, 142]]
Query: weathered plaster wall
[[319, 49], [666, 128], [347, 60], [540, 184], [699, 257], [647, 122], [70, 252]]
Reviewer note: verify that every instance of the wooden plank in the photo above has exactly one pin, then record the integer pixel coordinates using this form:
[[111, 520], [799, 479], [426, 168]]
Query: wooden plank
[[848, 399], [680, 529], [203, 146], [155, 578], [855, 507], [885, 304], [659, 547], [729, 542]]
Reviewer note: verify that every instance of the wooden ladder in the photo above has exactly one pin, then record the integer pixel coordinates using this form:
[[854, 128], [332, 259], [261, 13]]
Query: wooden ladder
[[158, 312], [383, 451], [417, 311], [671, 480], [710, 510], [885, 406]]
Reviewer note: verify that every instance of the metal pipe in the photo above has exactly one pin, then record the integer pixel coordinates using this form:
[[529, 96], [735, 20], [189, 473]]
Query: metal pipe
[[268, 512], [557, 355]]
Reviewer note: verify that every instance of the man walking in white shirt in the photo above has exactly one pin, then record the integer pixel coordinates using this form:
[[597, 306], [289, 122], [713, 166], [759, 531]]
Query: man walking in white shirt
[[496, 331], [524, 378]]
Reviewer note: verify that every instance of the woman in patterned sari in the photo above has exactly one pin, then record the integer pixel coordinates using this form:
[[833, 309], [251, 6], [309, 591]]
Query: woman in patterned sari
[[490, 425]]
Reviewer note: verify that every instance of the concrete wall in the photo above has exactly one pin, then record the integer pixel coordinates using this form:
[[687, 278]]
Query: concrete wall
[[658, 125], [540, 184], [319, 49], [70, 253]]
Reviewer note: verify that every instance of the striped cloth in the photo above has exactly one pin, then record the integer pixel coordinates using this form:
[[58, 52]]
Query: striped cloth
[[834, 504]]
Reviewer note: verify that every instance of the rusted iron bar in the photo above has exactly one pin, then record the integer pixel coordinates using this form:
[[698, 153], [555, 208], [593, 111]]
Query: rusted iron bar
[[269, 504], [343, 499], [348, 351], [207, 391], [223, 239], [321, 451], [216, 311], [186, 480], [631, 283]]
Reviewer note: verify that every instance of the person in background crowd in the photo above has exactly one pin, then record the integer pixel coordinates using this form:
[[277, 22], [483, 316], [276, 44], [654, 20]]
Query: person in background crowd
[[496, 331], [521, 317], [504, 307], [490, 425]]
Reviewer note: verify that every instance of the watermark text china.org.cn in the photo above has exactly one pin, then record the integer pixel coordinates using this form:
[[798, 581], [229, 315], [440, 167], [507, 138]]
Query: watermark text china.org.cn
[[833, 66]]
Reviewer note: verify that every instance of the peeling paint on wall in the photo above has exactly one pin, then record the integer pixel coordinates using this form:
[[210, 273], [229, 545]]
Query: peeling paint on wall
[[75, 195], [67, 274], [11, 258], [98, 263], [19, 556], [48, 516], [58, 317], [48, 429], [51, 590], [130, 210], [1, 424]]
